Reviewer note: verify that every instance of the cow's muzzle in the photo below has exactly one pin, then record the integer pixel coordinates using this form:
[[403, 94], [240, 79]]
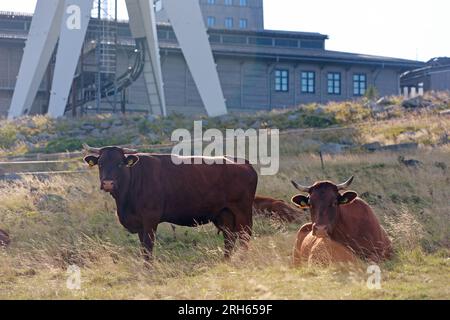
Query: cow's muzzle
[[107, 185], [320, 231]]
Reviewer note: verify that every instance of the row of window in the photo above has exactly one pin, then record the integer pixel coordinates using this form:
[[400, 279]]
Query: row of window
[[242, 3], [308, 82], [229, 23]]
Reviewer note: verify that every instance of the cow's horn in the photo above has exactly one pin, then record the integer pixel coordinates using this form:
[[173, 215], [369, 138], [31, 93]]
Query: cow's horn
[[300, 187], [129, 151], [90, 149], [346, 184]]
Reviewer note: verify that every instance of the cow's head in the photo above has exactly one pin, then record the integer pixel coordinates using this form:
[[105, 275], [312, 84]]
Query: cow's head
[[323, 200], [114, 166]]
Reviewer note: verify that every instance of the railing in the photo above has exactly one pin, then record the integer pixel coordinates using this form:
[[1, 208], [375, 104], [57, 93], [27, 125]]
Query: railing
[[15, 14]]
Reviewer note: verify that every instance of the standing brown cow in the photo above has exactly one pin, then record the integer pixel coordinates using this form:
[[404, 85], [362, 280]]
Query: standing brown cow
[[345, 219], [150, 189]]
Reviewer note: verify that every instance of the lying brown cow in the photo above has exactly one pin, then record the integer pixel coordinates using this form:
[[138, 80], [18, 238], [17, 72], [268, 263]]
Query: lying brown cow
[[150, 189], [314, 250], [4, 239], [275, 208], [344, 219]]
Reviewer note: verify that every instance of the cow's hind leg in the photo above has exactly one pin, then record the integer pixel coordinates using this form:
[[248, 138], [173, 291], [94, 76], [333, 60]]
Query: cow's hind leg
[[225, 222], [244, 225]]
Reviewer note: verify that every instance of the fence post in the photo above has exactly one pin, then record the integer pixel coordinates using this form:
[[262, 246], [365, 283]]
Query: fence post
[[321, 160]]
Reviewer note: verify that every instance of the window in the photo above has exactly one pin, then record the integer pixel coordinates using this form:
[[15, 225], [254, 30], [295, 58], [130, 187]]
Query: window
[[311, 44], [286, 43], [260, 41], [281, 80], [229, 23], [243, 3], [211, 21], [243, 23], [228, 2], [211, 1], [308, 82], [359, 84], [214, 38], [234, 39], [334, 83]]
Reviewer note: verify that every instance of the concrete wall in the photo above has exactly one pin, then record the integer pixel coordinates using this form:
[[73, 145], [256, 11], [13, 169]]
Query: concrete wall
[[440, 80], [253, 13], [10, 59]]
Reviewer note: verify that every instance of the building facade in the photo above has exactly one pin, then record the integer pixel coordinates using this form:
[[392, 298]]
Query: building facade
[[435, 76], [258, 69], [227, 14]]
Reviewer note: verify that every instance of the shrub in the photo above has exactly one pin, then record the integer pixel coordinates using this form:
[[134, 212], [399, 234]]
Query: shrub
[[8, 135]]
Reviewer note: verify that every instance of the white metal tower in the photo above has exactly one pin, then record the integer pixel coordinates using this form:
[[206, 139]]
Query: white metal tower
[[67, 20]]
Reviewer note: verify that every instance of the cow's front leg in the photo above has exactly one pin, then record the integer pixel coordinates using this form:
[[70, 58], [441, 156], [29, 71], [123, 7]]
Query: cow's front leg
[[147, 237]]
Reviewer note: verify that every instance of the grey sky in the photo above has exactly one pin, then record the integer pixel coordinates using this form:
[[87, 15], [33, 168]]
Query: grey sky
[[398, 28]]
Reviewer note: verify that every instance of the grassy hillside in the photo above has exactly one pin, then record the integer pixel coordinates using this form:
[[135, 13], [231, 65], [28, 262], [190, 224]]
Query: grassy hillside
[[62, 221], [386, 122], [58, 221]]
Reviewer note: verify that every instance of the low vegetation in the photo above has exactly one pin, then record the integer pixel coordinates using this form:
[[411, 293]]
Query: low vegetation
[[57, 222], [386, 122]]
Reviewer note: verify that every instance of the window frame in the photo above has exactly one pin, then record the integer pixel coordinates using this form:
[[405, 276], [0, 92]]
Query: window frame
[[243, 3], [211, 19], [308, 88], [359, 86], [241, 22], [229, 19], [281, 80], [228, 3], [336, 77]]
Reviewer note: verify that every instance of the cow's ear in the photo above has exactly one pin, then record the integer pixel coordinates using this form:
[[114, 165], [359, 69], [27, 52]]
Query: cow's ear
[[347, 197], [301, 201], [131, 160], [92, 161]]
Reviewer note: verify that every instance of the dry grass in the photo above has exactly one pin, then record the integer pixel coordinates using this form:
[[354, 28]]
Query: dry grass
[[64, 221]]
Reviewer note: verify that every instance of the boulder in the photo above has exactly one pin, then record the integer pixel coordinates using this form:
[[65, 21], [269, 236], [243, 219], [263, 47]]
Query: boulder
[[444, 139], [87, 127], [372, 146], [384, 101], [416, 103], [445, 113], [152, 118], [400, 147], [332, 148], [105, 125], [376, 108], [117, 123]]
